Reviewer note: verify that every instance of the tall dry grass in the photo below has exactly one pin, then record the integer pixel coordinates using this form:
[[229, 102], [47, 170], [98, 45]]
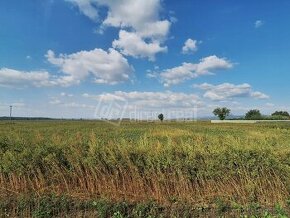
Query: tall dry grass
[[194, 163]]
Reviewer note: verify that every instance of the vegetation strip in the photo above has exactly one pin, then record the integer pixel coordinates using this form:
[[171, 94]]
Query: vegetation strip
[[196, 164]]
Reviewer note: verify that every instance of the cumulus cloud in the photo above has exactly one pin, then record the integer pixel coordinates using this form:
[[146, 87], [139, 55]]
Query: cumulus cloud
[[149, 100], [187, 71], [132, 44], [190, 46], [142, 16], [259, 95], [227, 91], [106, 67], [157, 30], [21, 79], [137, 14], [139, 18]]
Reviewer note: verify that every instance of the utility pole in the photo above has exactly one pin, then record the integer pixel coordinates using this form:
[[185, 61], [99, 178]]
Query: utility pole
[[11, 112]]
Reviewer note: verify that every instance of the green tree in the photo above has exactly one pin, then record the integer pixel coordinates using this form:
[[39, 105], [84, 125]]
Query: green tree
[[281, 113], [253, 115], [161, 117], [221, 113]]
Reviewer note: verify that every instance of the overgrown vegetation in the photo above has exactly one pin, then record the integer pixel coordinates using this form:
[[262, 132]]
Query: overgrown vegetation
[[256, 115], [144, 169]]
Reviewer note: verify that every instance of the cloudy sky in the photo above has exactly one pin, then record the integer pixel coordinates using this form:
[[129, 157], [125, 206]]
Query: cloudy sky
[[93, 58]]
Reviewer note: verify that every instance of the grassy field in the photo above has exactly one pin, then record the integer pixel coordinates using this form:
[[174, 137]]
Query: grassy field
[[174, 169]]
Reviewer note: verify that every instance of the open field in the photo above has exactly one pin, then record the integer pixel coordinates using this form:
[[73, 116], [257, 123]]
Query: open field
[[250, 121], [174, 169]]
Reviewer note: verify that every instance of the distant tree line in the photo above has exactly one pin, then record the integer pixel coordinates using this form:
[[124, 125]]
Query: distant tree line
[[26, 118], [223, 113]]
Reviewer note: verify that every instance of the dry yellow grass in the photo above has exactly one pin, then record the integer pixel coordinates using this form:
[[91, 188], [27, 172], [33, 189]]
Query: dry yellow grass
[[197, 163]]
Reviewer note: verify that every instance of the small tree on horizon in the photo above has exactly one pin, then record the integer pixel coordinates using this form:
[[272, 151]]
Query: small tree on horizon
[[221, 113], [281, 113], [161, 117], [253, 115]]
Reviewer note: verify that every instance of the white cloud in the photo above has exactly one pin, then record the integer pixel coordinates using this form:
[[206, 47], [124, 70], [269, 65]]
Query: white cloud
[[137, 19], [227, 91], [259, 23], [78, 105], [156, 30], [259, 95], [187, 71], [87, 8], [178, 74], [137, 14], [151, 74], [131, 13], [190, 46], [132, 44], [63, 103], [150, 100], [21, 79], [211, 63], [135, 105], [106, 67], [63, 94]]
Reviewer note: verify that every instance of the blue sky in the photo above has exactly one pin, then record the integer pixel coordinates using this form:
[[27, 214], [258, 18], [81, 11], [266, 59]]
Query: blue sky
[[74, 58]]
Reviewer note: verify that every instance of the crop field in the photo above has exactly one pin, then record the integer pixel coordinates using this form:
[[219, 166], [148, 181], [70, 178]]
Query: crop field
[[139, 169]]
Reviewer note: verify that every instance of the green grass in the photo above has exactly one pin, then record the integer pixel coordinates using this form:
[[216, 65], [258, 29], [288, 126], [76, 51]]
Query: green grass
[[166, 168]]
